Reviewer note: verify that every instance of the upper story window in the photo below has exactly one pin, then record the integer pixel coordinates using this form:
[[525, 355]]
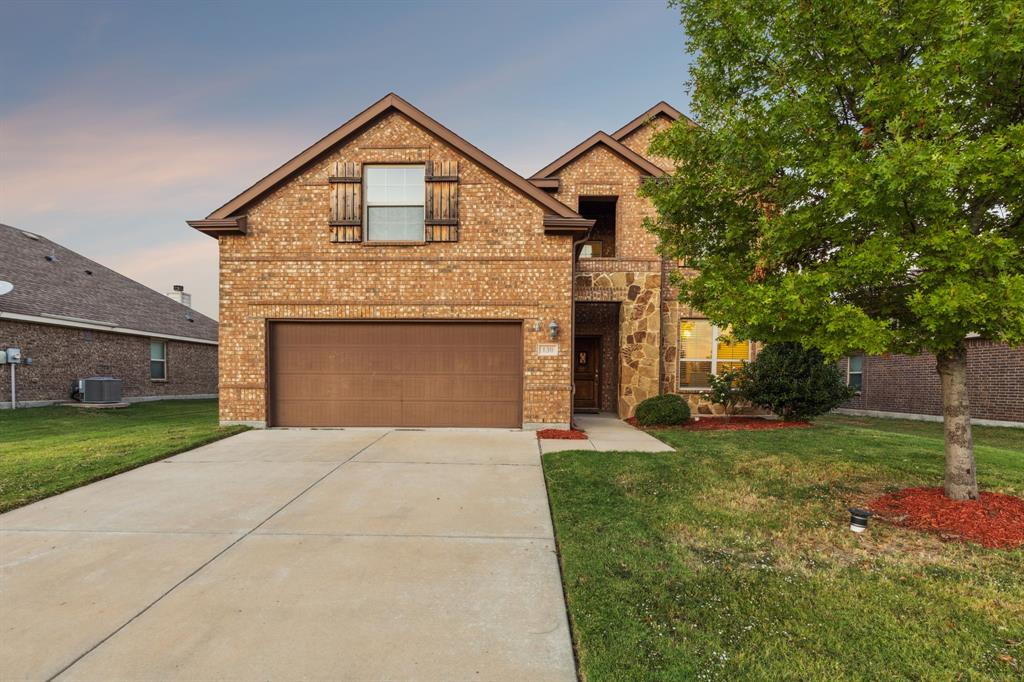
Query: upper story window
[[157, 360], [855, 372], [601, 243], [704, 349], [393, 209]]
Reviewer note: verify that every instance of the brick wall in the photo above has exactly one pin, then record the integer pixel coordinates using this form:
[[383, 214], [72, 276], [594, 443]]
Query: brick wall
[[602, 173], [640, 139], [910, 384], [503, 267], [62, 354]]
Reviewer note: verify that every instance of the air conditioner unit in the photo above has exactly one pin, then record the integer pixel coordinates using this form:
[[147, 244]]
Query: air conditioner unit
[[100, 390]]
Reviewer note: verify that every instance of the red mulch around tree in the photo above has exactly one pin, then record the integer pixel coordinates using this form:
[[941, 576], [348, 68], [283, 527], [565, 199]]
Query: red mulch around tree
[[561, 434], [726, 424], [995, 520]]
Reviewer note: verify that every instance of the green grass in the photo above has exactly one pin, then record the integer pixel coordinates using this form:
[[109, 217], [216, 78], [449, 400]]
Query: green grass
[[1012, 439], [47, 450], [731, 559]]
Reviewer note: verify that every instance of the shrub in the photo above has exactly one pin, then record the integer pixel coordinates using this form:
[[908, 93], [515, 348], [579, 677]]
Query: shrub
[[725, 390], [793, 381], [662, 409]]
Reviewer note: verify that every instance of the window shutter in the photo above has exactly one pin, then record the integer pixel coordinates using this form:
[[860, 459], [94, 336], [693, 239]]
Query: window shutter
[[346, 202], [441, 205]]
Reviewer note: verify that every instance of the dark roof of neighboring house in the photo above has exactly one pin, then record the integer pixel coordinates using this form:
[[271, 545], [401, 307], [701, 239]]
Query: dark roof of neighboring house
[[53, 282], [561, 215], [599, 138], [660, 109]]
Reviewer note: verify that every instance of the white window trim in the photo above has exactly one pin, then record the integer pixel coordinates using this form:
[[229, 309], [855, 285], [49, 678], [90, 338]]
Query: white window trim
[[152, 359], [367, 204], [715, 333], [861, 372]]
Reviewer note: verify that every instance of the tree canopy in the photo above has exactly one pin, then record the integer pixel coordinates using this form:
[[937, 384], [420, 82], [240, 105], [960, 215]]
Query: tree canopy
[[855, 180]]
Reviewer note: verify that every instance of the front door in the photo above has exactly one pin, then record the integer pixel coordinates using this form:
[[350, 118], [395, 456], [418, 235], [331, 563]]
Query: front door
[[586, 373]]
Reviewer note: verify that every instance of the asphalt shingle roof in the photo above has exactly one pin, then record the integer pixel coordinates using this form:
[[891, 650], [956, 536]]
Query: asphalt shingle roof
[[51, 280]]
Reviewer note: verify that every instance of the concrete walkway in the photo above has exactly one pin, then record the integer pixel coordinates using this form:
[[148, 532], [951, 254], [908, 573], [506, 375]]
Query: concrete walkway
[[607, 433], [357, 554]]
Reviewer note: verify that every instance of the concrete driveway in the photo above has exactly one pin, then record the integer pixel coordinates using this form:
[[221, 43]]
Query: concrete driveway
[[356, 554]]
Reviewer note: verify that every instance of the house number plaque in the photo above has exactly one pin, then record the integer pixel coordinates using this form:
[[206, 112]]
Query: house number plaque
[[547, 349]]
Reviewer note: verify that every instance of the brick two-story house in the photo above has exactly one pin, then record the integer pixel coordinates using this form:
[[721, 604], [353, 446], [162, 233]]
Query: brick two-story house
[[394, 274]]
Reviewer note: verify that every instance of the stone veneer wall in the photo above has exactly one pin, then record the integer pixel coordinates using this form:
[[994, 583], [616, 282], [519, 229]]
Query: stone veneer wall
[[633, 278], [503, 267], [638, 294]]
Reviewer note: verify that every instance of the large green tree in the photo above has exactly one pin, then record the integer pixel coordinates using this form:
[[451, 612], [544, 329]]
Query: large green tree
[[856, 180]]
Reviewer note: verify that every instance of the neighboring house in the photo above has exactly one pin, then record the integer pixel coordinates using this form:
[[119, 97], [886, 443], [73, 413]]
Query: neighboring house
[[908, 386], [394, 274], [75, 318]]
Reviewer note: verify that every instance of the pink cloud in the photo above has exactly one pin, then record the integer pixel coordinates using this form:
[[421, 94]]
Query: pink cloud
[[190, 261], [65, 154]]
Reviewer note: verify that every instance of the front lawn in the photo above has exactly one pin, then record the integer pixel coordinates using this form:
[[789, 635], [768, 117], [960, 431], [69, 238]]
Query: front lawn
[[47, 450], [732, 559]]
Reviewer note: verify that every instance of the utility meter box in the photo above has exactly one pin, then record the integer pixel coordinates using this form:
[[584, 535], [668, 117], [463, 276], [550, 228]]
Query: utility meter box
[[14, 356]]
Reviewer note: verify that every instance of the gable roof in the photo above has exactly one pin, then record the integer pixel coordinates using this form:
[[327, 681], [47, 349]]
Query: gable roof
[[599, 138], [55, 285], [660, 109], [389, 103]]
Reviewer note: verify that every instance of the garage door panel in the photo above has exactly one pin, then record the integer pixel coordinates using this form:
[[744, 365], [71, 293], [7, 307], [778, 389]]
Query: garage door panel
[[459, 413], [321, 412], [395, 374]]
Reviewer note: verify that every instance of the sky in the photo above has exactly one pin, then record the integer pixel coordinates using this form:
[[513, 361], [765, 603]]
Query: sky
[[120, 121]]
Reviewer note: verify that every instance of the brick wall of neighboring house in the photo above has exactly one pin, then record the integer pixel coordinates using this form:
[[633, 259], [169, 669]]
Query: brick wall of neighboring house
[[62, 354], [503, 267], [640, 140], [910, 384]]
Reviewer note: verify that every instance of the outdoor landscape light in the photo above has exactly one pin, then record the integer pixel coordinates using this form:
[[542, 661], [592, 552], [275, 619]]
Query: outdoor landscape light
[[859, 519], [553, 329]]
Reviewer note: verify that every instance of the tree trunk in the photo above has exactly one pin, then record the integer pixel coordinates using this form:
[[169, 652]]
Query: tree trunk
[[961, 478]]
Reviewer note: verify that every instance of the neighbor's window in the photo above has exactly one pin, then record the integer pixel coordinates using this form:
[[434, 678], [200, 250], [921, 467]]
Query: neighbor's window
[[592, 249], [157, 360], [704, 349], [855, 371], [394, 203]]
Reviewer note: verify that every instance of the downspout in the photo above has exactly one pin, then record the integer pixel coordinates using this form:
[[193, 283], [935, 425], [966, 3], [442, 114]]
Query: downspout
[[572, 325], [663, 336], [14, 395]]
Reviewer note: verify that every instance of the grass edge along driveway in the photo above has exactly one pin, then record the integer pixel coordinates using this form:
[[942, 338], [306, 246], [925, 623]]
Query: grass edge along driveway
[[49, 450], [731, 559]]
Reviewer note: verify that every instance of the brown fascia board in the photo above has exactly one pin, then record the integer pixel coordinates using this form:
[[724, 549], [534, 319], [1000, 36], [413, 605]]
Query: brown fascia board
[[547, 184], [660, 109], [559, 225], [219, 226], [391, 102], [600, 137]]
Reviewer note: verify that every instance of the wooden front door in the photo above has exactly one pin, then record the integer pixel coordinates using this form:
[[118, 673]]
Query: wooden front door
[[587, 373]]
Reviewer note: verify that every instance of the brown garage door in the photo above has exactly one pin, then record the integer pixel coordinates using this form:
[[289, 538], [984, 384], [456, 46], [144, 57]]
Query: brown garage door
[[396, 374]]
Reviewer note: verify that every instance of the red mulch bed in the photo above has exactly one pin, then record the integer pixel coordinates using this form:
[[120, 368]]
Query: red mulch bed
[[561, 434], [726, 424], [995, 520]]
